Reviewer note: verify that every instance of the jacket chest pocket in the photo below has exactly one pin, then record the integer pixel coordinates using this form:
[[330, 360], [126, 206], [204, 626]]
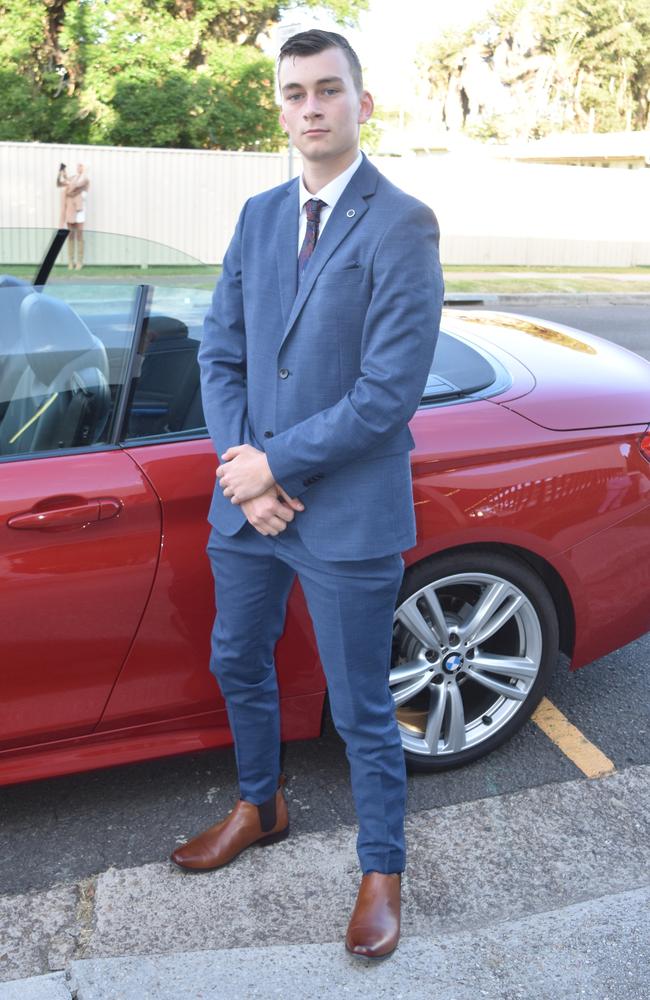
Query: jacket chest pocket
[[345, 277]]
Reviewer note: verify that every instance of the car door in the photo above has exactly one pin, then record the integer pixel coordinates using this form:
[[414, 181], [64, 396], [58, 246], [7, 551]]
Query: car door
[[80, 525], [165, 676]]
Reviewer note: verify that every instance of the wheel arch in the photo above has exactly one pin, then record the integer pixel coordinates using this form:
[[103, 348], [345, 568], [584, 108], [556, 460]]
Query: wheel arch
[[549, 575]]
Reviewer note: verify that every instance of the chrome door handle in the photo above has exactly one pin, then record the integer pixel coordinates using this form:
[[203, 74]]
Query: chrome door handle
[[68, 516]]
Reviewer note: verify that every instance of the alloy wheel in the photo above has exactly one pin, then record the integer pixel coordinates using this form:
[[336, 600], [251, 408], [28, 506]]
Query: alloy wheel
[[467, 652]]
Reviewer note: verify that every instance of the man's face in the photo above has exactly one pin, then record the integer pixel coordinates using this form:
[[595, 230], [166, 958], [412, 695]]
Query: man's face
[[321, 108]]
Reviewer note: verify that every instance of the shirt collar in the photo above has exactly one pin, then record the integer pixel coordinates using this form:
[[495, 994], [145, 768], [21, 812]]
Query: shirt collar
[[331, 193]]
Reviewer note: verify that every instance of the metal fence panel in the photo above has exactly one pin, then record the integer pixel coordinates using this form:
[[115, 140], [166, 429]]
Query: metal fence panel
[[490, 211]]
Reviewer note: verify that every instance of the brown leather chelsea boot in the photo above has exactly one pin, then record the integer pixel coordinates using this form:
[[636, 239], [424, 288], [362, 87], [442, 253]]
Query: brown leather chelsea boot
[[246, 825], [373, 931]]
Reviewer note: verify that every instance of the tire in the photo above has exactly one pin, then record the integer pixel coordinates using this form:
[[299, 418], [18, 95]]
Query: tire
[[470, 630]]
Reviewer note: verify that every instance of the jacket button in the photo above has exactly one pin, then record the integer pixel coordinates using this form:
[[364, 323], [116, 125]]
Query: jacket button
[[268, 434], [284, 373]]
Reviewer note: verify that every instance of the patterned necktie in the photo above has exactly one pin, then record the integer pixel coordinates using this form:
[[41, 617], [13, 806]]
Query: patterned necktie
[[312, 210]]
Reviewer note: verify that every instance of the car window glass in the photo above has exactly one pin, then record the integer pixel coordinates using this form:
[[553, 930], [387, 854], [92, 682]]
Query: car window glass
[[95, 287], [167, 397], [23, 249], [110, 257], [61, 371], [460, 371]]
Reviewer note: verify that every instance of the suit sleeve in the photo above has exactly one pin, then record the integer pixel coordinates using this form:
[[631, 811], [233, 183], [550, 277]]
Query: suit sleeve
[[398, 340], [222, 355]]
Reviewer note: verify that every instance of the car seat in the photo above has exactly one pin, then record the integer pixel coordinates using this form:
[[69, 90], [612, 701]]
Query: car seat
[[62, 399], [168, 381], [12, 356]]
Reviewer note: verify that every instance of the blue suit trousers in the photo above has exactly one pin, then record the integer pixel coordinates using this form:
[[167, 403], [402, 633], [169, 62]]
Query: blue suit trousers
[[351, 604]]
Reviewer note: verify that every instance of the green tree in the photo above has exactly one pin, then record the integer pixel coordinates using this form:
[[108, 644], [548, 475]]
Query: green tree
[[145, 72], [24, 109], [234, 100], [563, 64], [611, 60]]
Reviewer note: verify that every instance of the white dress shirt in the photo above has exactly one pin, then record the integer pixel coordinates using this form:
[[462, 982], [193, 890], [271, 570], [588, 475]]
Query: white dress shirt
[[330, 194]]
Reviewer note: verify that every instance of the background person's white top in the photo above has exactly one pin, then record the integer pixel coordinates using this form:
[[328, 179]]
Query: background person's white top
[[330, 194]]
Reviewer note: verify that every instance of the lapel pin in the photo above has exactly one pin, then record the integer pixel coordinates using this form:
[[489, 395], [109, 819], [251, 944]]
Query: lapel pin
[[350, 213]]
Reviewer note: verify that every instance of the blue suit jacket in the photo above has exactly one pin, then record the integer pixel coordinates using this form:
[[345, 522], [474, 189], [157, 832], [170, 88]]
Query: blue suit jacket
[[325, 377]]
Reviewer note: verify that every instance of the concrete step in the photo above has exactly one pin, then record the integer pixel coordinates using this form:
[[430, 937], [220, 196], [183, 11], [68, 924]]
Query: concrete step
[[472, 866], [595, 950]]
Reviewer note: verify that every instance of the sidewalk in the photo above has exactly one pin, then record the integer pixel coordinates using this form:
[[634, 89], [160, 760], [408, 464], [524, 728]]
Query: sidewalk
[[538, 894], [581, 951]]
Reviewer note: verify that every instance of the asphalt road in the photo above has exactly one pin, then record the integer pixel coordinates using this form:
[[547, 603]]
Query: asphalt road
[[69, 828]]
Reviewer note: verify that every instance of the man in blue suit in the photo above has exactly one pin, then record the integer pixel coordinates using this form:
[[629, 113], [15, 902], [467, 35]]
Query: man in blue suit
[[315, 354]]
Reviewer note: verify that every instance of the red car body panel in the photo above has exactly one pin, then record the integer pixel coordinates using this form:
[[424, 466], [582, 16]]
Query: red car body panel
[[570, 499], [301, 719], [72, 595], [166, 673], [116, 668], [576, 374]]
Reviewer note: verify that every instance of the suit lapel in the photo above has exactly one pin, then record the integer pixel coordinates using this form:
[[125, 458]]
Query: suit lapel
[[287, 250], [347, 212]]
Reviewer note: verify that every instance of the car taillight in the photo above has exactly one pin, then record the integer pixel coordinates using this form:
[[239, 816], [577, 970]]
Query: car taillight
[[644, 445]]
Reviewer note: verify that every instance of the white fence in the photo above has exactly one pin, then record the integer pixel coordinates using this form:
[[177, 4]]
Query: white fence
[[490, 211]]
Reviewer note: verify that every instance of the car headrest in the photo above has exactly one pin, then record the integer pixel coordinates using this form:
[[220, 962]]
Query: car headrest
[[57, 342], [12, 292], [164, 328], [11, 281]]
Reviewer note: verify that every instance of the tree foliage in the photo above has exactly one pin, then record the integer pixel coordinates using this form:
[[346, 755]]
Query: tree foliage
[[183, 73], [534, 66]]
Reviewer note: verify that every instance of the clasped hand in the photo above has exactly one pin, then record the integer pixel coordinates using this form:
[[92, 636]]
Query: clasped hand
[[245, 473], [246, 478], [271, 512]]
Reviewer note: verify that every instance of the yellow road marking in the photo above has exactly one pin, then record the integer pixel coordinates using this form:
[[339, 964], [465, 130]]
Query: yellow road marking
[[570, 740]]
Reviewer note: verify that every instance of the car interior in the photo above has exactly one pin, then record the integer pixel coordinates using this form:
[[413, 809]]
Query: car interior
[[55, 381], [12, 361], [167, 397], [60, 374]]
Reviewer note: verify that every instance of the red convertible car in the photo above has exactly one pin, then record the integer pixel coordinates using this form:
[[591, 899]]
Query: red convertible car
[[532, 491]]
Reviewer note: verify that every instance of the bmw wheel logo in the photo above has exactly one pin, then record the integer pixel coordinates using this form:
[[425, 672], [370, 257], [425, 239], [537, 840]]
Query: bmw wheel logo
[[452, 663]]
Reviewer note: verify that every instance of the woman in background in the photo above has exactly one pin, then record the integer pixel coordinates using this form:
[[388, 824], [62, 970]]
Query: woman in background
[[73, 211]]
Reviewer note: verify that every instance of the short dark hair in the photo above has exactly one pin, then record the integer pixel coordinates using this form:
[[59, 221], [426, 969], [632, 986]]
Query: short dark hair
[[308, 43]]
